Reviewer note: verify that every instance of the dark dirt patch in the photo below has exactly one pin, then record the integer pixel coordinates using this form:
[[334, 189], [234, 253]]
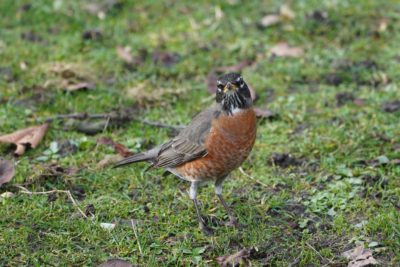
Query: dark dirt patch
[[33, 96], [90, 210], [94, 35], [52, 197], [78, 192], [50, 174], [333, 79], [166, 59], [7, 74], [285, 160], [372, 180], [66, 148], [318, 16], [344, 98], [31, 37], [391, 106]]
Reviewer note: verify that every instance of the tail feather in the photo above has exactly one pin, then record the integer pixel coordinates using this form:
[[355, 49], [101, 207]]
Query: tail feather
[[132, 159], [149, 155]]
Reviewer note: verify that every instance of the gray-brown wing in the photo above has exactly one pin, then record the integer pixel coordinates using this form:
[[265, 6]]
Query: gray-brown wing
[[189, 143]]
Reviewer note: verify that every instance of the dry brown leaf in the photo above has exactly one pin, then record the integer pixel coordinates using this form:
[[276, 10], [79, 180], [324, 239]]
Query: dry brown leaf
[[69, 77], [124, 53], [269, 20], [264, 113], [109, 159], [284, 50], [29, 137], [167, 59], [237, 67], [118, 148], [80, 86], [359, 257], [234, 259], [145, 94], [286, 12], [115, 263], [7, 171]]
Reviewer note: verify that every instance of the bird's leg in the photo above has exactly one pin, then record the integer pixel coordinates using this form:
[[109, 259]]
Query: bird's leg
[[232, 219], [193, 195]]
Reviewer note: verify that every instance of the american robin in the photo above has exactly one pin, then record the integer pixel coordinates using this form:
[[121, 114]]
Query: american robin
[[216, 142]]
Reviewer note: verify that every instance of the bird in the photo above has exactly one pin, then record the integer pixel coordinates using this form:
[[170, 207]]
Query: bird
[[211, 146]]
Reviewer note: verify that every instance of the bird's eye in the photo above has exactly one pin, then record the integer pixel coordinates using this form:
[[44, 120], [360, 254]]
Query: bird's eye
[[220, 86]]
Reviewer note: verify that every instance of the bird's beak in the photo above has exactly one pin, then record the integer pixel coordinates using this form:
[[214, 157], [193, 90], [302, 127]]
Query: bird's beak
[[230, 87]]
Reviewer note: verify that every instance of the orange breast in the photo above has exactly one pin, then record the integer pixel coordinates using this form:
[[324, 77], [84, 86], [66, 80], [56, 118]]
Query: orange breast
[[228, 145]]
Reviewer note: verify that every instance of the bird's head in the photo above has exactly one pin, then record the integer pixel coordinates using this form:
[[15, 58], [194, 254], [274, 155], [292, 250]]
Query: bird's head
[[233, 93]]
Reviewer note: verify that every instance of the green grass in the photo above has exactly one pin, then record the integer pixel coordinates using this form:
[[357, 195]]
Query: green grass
[[307, 214]]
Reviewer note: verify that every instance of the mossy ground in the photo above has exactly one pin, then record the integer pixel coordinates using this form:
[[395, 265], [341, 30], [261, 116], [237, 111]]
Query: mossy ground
[[334, 197]]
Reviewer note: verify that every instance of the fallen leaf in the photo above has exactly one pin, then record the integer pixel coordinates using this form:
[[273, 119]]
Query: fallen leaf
[[359, 257], [382, 25], [124, 53], [6, 195], [237, 67], [115, 263], [80, 86], [7, 171], [167, 59], [286, 12], [29, 137], [69, 77], [118, 148], [391, 106], [109, 159], [144, 94], [264, 113], [359, 102], [235, 259], [107, 226], [284, 50], [269, 20]]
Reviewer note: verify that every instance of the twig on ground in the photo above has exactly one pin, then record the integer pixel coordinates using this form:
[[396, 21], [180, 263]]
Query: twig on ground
[[252, 178], [330, 262], [160, 125], [137, 237], [26, 191], [109, 116], [79, 116]]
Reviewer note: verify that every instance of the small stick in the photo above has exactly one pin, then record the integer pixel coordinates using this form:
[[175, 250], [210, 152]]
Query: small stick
[[319, 254], [83, 116], [26, 191], [252, 178], [137, 237], [160, 125], [79, 116]]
